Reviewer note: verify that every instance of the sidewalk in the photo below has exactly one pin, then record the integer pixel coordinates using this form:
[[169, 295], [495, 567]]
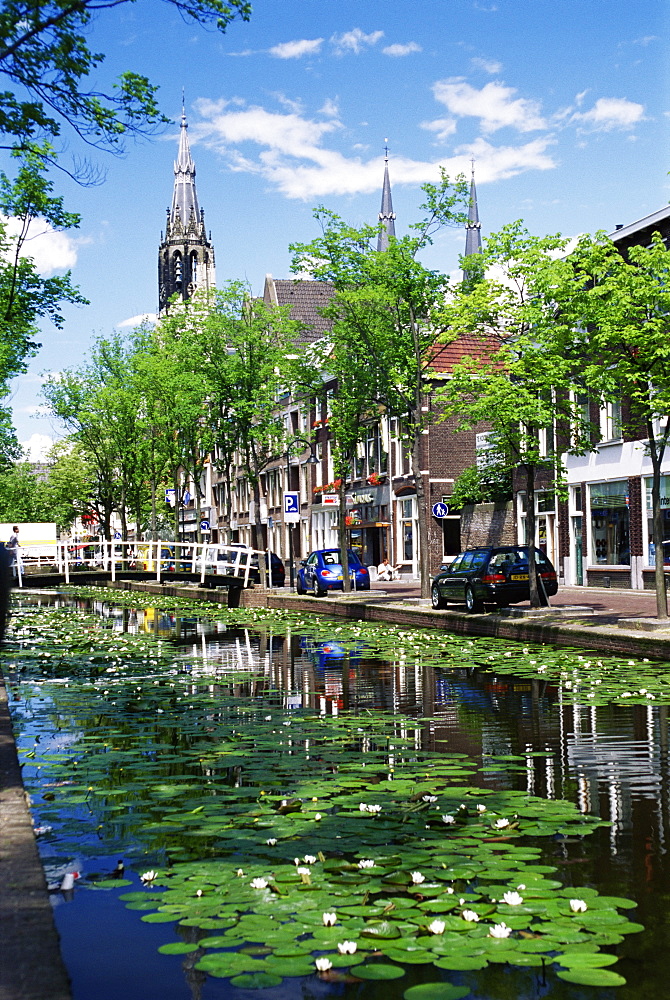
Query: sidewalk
[[609, 606]]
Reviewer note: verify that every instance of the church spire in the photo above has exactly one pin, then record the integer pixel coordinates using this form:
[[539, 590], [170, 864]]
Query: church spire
[[473, 229], [186, 254], [386, 214], [184, 197]]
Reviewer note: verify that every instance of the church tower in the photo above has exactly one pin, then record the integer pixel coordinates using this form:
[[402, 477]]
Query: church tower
[[186, 253], [386, 214]]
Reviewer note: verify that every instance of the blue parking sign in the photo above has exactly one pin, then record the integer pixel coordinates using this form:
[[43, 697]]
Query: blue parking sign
[[291, 507]]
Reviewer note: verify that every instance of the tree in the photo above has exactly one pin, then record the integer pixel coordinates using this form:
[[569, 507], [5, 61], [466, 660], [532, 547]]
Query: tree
[[248, 356], [521, 381], [387, 311], [46, 64], [620, 310]]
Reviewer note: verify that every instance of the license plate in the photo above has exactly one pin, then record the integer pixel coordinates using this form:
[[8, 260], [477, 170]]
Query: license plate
[[519, 576]]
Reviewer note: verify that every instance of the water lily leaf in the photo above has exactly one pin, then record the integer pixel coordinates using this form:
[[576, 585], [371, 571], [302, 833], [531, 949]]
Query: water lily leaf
[[291, 966], [592, 977], [586, 960], [436, 991], [461, 963], [256, 981], [379, 970], [159, 918], [383, 930], [177, 948]]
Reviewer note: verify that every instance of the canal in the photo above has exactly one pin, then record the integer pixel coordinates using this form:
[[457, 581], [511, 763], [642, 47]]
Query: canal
[[224, 797]]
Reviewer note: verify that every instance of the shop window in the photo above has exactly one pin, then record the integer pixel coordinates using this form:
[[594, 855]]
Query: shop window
[[610, 524], [665, 515]]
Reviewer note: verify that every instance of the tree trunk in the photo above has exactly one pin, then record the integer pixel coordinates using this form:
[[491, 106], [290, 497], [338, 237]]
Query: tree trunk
[[656, 450], [342, 536], [177, 504], [154, 527], [422, 515], [538, 598]]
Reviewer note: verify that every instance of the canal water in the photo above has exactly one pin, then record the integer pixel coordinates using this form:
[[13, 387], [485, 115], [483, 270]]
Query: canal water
[[118, 709]]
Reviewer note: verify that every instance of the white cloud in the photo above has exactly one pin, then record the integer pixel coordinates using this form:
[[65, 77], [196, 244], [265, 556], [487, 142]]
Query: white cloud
[[399, 49], [442, 127], [611, 112], [495, 105], [330, 108], [491, 66], [50, 249], [134, 321], [288, 151], [297, 49], [354, 41], [37, 446]]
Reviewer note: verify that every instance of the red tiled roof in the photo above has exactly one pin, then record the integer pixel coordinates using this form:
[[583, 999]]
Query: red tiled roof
[[445, 356]]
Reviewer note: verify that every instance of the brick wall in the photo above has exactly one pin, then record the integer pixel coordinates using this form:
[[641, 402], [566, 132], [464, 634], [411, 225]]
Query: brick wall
[[488, 524], [635, 508]]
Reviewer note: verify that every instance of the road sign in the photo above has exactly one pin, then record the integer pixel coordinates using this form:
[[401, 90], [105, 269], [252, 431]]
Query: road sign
[[205, 525], [440, 509], [291, 507], [169, 497], [330, 499]]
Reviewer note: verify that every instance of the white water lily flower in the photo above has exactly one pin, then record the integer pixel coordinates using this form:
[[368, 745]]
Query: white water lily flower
[[450, 890], [500, 931], [323, 964], [578, 906], [500, 824], [429, 798], [259, 883], [301, 870], [418, 878], [239, 872], [347, 947], [329, 919], [309, 859], [437, 927], [374, 809], [148, 876], [470, 916], [317, 816], [366, 863], [512, 899], [481, 808], [271, 841], [363, 807], [448, 819]]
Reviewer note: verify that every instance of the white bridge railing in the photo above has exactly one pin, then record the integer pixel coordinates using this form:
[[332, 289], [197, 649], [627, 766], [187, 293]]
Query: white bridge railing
[[159, 557]]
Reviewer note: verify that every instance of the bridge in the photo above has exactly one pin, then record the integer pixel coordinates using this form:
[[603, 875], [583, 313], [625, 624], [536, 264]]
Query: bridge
[[71, 561]]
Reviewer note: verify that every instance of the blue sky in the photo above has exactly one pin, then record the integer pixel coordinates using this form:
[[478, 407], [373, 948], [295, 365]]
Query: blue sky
[[564, 107]]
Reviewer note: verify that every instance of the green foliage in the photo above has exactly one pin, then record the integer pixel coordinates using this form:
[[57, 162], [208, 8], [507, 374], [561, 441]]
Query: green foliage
[[474, 485], [386, 320]]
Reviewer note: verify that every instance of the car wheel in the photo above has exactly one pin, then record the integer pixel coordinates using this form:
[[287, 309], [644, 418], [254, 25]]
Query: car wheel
[[299, 589], [436, 598], [316, 589], [471, 602]]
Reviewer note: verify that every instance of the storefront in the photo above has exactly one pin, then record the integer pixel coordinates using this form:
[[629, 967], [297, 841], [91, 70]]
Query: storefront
[[648, 533], [369, 524]]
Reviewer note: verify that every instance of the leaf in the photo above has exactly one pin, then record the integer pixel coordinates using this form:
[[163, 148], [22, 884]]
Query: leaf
[[591, 977]]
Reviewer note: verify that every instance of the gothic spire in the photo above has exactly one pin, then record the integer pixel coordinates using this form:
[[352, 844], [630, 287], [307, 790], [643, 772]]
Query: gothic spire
[[184, 197], [386, 214], [473, 229]]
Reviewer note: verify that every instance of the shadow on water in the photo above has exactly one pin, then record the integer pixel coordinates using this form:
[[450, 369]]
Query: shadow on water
[[611, 760]]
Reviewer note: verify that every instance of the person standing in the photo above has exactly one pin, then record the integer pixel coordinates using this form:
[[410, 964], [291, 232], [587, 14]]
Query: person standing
[[13, 546]]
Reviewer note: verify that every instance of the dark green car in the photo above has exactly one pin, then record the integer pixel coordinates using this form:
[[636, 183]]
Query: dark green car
[[492, 576]]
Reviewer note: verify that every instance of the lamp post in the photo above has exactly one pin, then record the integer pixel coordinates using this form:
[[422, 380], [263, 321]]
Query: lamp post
[[312, 460]]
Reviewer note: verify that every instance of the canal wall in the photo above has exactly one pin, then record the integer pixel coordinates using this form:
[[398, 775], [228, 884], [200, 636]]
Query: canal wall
[[553, 626], [31, 967]]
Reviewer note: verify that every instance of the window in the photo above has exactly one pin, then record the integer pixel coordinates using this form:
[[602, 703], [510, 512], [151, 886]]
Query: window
[[665, 515], [610, 421], [610, 524]]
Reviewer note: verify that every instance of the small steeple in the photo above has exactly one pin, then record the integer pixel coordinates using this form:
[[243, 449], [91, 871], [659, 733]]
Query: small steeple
[[386, 215], [473, 229]]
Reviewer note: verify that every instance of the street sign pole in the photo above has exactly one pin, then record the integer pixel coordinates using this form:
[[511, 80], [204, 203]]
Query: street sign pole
[[291, 517]]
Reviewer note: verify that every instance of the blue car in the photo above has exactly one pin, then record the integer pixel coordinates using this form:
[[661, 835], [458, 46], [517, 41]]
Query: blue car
[[322, 571]]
